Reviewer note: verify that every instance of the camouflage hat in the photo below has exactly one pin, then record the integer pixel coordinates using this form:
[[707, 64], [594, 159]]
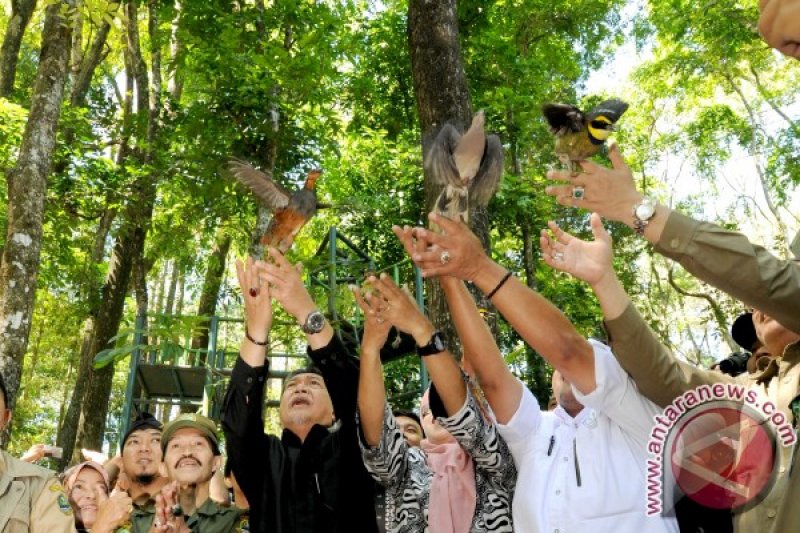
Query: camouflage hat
[[204, 425]]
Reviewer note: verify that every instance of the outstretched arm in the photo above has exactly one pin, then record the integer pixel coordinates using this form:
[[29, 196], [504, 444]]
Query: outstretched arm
[[371, 389], [658, 374], [459, 253], [398, 308], [502, 389], [726, 259], [242, 419]]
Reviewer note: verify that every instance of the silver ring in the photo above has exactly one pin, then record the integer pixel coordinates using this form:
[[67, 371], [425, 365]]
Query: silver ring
[[558, 256], [444, 258], [380, 320], [578, 192]]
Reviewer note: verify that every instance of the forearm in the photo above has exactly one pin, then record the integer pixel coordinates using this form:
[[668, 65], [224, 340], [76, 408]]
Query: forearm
[[480, 350], [659, 376], [537, 321], [371, 396], [611, 295], [442, 368], [729, 261]]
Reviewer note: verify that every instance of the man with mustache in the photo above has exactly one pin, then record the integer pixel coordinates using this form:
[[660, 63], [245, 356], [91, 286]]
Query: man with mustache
[[311, 478], [191, 458]]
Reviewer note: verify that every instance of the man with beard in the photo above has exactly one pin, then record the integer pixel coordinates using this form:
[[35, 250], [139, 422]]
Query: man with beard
[[191, 458], [141, 459]]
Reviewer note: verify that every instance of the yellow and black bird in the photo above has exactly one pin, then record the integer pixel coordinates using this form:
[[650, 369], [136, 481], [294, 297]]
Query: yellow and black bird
[[467, 166], [580, 135]]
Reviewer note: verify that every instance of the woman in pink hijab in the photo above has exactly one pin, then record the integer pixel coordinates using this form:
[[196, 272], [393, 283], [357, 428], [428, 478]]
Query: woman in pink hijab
[[462, 478]]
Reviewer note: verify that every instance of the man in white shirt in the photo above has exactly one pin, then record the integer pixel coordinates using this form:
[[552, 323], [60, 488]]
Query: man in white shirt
[[582, 467]]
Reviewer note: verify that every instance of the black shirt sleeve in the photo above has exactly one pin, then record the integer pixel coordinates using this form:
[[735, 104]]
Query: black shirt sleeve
[[243, 425]]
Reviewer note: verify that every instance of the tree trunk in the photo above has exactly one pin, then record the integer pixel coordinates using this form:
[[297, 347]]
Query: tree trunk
[[210, 293], [27, 189], [82, 78], [129, 247], [21, 13], [442, 94]]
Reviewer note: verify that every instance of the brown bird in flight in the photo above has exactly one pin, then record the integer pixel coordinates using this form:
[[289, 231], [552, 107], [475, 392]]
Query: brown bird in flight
[[467, 166], [290, 209]]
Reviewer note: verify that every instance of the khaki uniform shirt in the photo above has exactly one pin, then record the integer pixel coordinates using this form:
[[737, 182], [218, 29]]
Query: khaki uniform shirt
[[730, 262], [662, 378], [32, 499]]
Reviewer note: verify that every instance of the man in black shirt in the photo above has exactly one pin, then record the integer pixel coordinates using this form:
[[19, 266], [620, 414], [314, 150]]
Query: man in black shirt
[[312, 478]]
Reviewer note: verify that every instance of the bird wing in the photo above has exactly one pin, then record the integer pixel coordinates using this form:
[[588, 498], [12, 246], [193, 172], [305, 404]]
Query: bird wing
[[611, 109], [272, 194], [468, 153], [439, 162], [563, 117], [487, 179]]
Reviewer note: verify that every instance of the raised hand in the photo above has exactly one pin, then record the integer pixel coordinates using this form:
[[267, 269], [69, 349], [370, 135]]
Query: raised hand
[[376, 327], [611, 192], [589, 261], [286, 285], [456, 252], [112, 511], [400, 309], [165, 520], [256, 296]]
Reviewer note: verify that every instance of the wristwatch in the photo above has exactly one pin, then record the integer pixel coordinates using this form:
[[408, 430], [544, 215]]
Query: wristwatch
[[437, 344], [314, 323], [643, 213]]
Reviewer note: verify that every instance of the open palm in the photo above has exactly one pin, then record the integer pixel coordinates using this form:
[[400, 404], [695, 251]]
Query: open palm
[[589, 261]]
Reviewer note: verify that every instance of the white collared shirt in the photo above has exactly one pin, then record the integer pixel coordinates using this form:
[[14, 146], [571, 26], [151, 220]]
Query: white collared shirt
[[588, 473]]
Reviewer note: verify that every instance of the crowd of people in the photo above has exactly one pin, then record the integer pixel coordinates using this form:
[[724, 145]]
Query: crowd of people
[[475, 458]]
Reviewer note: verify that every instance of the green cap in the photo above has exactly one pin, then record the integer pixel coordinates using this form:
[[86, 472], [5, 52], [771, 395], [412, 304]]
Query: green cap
[[203, 424]]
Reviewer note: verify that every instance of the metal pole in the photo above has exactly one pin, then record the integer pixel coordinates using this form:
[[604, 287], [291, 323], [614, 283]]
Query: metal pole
[[141, 321]]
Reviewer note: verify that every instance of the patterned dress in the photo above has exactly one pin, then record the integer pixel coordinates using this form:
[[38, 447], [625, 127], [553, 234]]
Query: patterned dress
[[405, 474]]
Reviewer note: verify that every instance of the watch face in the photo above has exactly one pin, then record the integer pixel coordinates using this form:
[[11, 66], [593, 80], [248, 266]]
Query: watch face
[[315, 322], [645, 211]]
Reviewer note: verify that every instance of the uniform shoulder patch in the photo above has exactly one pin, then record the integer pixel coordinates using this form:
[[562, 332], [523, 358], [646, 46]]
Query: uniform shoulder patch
[[63, 505], [56, 487]]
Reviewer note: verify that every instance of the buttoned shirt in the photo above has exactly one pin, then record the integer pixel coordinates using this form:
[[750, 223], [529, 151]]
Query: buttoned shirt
[[32, 499], [588, 472]]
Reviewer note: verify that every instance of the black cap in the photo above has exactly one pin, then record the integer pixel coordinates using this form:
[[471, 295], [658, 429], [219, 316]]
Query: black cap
[[744, 332], [143, 421]]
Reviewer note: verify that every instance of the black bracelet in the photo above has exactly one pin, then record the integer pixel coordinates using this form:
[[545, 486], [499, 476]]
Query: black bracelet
[[499, 285], [251, 339]]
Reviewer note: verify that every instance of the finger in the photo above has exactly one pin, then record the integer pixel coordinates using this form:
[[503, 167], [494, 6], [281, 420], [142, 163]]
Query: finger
[[560, 235], [615, 155], [560, 175], [405, 238], [598, 230], [279, 258], [359, 299], [559, 190], [448, 225], [386, 287], [590, 167], [240, 275]]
